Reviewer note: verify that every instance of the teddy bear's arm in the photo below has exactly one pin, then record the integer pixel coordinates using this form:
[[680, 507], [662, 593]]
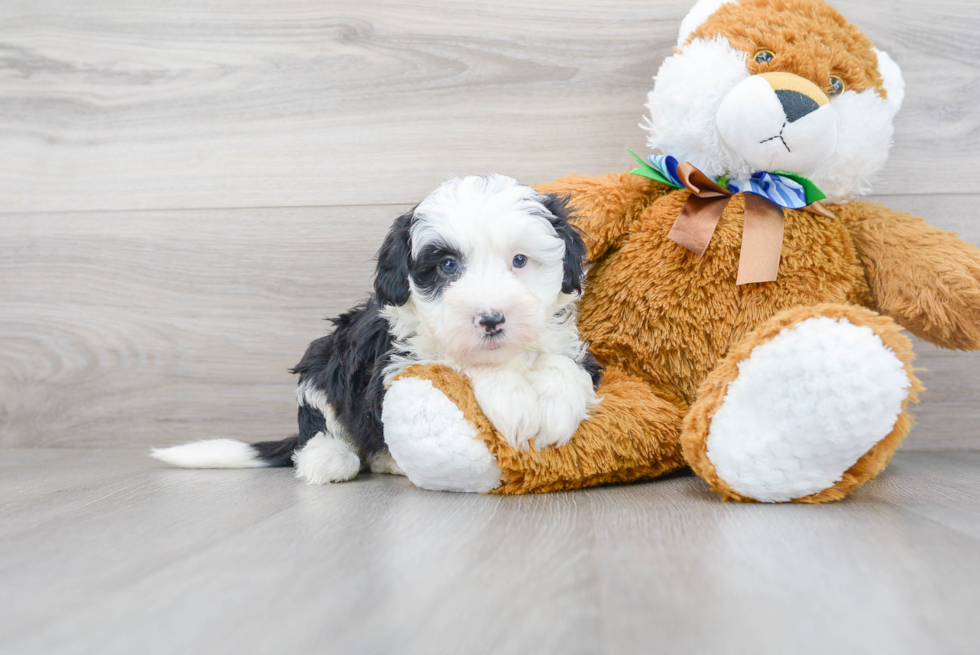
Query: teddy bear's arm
[[442, 439], [925, 278], [606, 206]]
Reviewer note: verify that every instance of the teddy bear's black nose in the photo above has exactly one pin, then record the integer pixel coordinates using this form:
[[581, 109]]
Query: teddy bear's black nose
[[795, 104]]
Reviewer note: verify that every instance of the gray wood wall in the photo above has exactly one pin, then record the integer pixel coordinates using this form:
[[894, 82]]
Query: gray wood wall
[[187, 188]]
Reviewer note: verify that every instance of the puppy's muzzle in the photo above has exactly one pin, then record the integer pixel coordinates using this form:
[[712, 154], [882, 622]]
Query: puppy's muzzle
[[491, 321]]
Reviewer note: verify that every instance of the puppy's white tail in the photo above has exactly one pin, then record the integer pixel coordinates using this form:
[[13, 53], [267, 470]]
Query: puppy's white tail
[[212, 454]]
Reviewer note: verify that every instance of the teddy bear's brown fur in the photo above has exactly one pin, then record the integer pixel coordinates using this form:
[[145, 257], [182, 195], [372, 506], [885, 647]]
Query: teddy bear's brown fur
[[665, 362], [671, 327], [812, 39]]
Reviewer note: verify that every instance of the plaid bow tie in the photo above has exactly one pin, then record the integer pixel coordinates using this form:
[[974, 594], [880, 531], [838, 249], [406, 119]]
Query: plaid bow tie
[[766, 194]]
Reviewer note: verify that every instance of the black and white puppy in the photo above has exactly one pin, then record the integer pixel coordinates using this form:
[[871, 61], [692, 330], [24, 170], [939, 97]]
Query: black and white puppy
[[481, 276]]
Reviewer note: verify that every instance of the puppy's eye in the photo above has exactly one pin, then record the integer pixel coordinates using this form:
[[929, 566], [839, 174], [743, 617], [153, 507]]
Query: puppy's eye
[[764, 56], [837, 86], [448, 267], [520, 261]]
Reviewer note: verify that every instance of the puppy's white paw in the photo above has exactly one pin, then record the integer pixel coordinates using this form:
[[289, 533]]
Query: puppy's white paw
[[509, 402], [325, 458], [517, 416], [383, 462], [565, 396], [560, 418]]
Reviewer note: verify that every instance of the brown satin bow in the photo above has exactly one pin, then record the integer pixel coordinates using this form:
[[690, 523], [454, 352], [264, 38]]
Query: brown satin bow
[[762, 232]]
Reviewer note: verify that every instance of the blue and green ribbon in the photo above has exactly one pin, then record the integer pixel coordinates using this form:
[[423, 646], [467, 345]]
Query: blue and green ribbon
[[787, 190]]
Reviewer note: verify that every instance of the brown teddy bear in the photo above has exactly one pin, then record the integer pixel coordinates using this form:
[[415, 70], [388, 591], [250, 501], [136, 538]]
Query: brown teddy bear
[[746, 313]]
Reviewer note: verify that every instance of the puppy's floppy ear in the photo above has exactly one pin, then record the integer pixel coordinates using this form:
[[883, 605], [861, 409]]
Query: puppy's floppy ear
[[575, 251], [394, 258]]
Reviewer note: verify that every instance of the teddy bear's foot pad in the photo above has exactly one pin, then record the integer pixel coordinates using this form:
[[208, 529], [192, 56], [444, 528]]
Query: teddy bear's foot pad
[[432, 441], [805, 406]]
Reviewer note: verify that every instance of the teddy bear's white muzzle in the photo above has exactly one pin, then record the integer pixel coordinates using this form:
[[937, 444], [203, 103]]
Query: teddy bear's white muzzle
[[778, 122]]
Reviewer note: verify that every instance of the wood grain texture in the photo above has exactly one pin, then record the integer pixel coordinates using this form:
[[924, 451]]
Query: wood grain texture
[[120, 104], [160, 327], [857, 576], [107, 551]]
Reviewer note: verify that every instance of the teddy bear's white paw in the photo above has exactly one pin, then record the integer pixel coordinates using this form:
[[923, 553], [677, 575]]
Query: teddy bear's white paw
[[565, 395], [432, 442], [804, 408]]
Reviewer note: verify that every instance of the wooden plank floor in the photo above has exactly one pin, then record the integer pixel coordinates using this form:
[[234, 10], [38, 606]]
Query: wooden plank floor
[[106, 551]]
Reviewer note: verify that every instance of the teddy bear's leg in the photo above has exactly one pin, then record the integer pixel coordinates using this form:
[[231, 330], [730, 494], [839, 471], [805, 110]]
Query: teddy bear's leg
[[806, 408], [442, 440]]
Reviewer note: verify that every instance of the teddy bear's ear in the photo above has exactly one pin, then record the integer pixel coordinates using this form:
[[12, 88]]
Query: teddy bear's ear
[[892, 77], [699, 13]]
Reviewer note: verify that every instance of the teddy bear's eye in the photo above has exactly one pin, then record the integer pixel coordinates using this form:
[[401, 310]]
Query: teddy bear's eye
[[764, 56], [837, 86]]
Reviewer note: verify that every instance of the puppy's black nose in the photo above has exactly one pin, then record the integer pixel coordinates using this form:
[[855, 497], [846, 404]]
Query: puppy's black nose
[[491, 320], [795, 104]]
